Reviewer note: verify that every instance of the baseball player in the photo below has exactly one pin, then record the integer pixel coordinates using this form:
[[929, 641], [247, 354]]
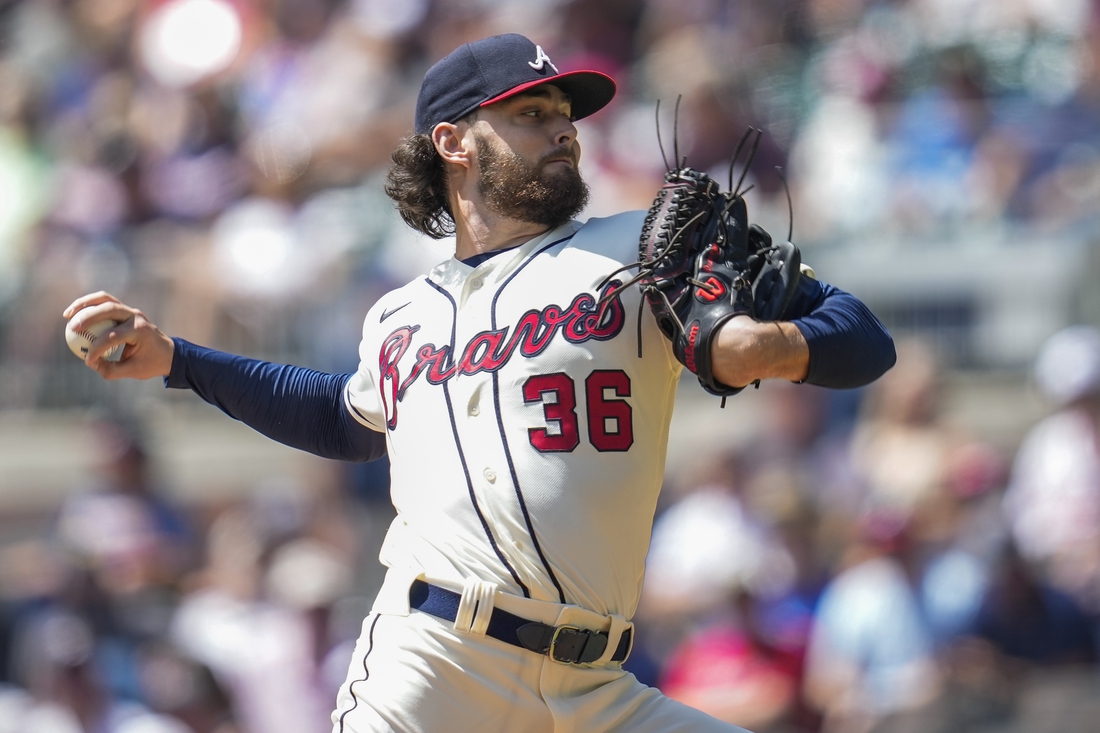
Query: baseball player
[[526, 426]]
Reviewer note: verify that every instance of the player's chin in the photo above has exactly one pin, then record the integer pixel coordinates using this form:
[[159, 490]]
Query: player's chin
[[563, 180]]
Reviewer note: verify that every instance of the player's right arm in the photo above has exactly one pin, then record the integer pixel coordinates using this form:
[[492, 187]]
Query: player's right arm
[[299, 407]]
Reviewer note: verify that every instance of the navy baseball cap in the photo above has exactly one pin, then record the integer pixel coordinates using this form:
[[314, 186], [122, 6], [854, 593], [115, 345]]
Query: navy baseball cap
[[495, 68]]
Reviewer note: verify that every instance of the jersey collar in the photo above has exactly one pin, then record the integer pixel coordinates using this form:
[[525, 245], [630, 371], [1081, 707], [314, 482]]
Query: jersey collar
[[454, 272]]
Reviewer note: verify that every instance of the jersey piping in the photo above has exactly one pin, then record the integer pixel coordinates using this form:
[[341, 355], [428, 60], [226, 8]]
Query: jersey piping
[[359, 416], [462, 455], [503, 437], [366, 672]]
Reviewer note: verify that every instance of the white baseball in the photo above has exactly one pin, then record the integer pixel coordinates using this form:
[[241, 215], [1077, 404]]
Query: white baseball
[[80, 341]]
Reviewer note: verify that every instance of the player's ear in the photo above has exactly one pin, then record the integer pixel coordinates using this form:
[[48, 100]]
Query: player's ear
[[451, 143]]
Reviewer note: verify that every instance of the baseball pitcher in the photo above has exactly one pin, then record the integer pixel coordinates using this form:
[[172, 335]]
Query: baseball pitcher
[[523, 391]]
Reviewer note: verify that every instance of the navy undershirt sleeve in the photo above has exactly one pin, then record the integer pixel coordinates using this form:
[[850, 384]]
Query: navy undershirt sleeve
[[849, 347], [298, 407]]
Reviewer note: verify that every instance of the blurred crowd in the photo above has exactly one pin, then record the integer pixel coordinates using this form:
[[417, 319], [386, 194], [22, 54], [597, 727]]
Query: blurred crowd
[[136, 613], [887, 570], [859, 565], [218, 162]]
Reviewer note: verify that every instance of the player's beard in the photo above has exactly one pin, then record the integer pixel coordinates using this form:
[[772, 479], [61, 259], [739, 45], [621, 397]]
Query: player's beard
[[532, 193]]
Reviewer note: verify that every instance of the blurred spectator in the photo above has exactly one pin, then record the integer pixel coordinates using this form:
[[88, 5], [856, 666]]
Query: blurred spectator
[[128, 547], [1024, 618], [126, 509], [902, 450], [705, 547], [870, 652], [177, 685], [727, 671], [261, 616], [716, 605], [1053, 501], [65, 693]]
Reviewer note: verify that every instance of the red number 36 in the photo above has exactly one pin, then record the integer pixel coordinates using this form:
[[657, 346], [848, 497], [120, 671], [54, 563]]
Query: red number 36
[[610, 426]]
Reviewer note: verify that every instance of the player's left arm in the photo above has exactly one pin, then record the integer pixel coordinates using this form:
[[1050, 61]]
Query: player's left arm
[[832, 340]]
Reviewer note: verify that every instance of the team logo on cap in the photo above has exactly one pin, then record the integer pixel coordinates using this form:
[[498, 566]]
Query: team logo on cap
[[541, 61]]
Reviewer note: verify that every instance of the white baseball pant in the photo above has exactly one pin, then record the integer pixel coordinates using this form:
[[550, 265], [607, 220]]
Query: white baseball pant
[[415, 673]]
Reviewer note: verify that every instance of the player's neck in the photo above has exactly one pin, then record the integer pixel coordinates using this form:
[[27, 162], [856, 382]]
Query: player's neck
[[478, 230]]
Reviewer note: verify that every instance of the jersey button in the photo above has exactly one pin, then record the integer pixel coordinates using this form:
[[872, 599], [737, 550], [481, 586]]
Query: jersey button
[[475, 284], [490, 475], [475, 410]]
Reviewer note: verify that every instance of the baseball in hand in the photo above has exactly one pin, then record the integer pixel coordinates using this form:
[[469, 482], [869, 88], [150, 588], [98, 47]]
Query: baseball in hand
[[80, 341]]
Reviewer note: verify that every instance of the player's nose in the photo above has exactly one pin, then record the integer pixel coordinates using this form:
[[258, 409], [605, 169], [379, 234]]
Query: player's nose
[[565, 132]]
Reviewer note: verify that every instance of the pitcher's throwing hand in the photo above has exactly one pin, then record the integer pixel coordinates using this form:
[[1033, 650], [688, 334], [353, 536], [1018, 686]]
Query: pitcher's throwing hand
[[147, 352]]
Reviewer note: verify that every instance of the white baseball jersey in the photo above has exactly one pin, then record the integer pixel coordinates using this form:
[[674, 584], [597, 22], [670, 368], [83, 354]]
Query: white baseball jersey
[[527, 438]]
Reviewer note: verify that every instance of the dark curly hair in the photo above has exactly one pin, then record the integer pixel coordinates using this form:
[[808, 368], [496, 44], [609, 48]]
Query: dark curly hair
[[417, 182]]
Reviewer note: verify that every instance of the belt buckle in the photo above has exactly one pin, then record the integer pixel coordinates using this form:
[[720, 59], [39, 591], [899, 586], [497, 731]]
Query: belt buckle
[[554, 643]]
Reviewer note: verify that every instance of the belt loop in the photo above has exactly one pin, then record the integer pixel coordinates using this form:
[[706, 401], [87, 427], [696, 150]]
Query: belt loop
[[619, 626], [475, 607]]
